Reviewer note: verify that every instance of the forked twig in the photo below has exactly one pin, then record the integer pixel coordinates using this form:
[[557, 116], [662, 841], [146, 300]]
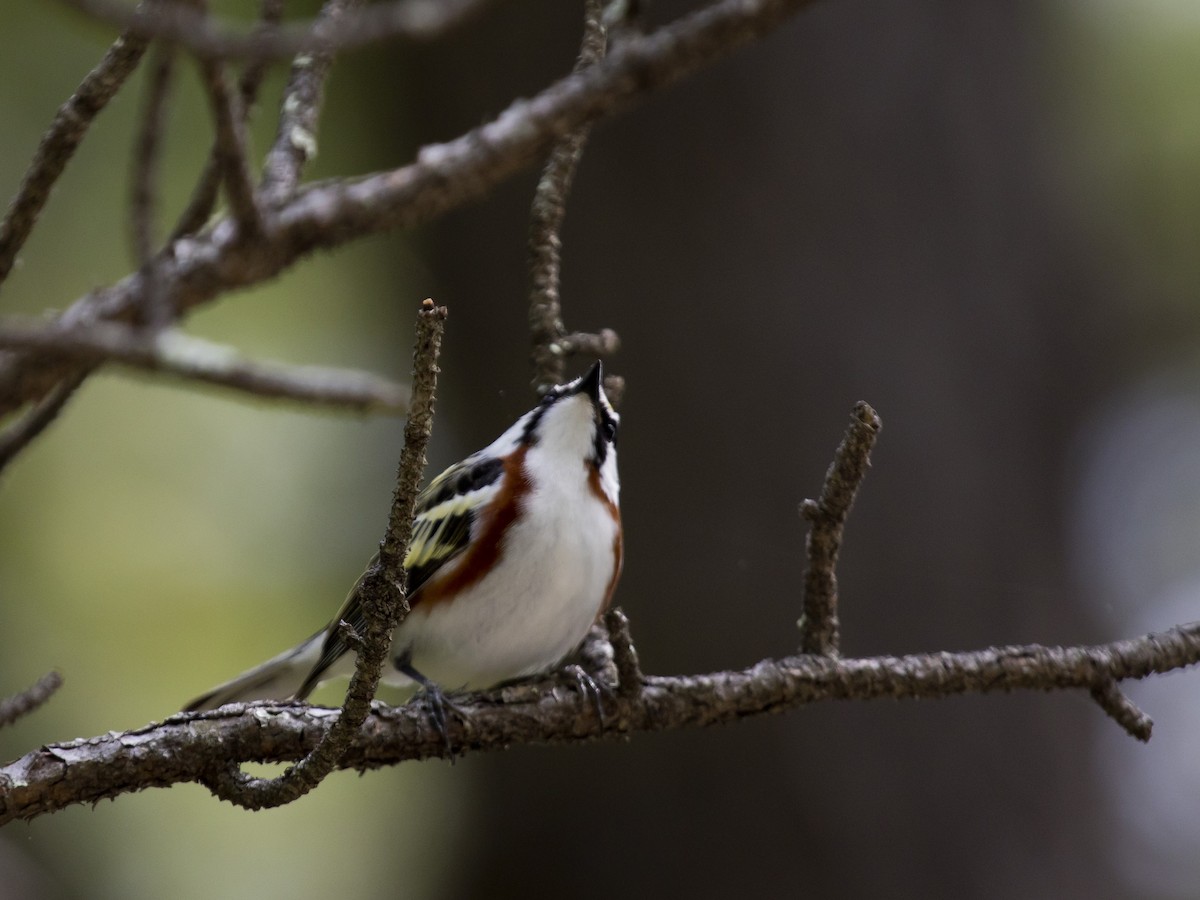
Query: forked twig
[[827, 516]]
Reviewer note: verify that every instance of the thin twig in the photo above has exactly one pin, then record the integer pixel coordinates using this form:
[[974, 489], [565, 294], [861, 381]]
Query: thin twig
[[545, 226], [381, 592], [444, 176], [232, 152], [146, 154], [157, 312], [185, 746], [204, 195], [827, 516], [18, 705], [417, 20], [195, 359], [203, 200], [58, 144], [625, 658], [295, 142], [1122, 710], [270, 14], [20, 434]]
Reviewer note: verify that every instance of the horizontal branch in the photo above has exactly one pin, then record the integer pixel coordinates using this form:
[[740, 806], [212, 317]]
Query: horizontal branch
[[443, 177], [184, 24], [196, 359], [186, 746]]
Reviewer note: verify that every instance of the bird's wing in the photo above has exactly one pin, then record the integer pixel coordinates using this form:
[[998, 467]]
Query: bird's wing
[[445, 513]]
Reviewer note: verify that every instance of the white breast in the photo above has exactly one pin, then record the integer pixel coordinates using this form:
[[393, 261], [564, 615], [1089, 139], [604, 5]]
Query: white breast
[[539, 601]]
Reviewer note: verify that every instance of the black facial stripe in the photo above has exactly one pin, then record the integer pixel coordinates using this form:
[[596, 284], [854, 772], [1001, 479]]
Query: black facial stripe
[[606, 435], [528, 435]]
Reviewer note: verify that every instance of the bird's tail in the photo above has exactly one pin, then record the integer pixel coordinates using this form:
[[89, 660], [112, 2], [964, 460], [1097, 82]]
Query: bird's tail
[[276, 679]]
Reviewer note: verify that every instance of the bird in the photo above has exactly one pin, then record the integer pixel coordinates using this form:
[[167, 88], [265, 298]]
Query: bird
[[515, 552]]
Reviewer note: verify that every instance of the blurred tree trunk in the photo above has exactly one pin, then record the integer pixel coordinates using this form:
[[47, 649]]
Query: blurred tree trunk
[[855, 209]]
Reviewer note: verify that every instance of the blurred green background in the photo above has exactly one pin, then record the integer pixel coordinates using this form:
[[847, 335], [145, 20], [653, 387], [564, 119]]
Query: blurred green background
[[981, 218]]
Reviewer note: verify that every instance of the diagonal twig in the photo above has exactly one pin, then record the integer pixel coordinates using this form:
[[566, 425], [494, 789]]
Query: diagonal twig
[[58, 144], [204, 195], [826, 517], [1121, 709], [231, 152], [34, 696], [381, 592], [20, 434], [143, 201]]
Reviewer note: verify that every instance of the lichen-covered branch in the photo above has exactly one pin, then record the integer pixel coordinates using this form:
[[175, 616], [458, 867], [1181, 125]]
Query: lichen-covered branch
[[296, 137], [186, 746], [444, 176]]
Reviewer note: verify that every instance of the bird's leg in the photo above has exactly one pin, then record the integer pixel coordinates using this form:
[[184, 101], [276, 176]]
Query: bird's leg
[[435, 701]]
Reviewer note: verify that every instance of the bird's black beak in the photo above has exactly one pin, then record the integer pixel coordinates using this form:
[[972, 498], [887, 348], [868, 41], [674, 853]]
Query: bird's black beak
[[591, 383]]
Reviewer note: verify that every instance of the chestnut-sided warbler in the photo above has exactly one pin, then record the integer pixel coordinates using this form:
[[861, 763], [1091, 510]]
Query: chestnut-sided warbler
[[515, 552]]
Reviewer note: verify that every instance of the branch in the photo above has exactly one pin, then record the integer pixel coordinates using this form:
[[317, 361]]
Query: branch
[[625, 658], [1121, 709], [296, 138], [19, 435], [195, 359], [418, 20], [819, 625], [22, 704], [186, 746], [143, 201], [204, 194], [443, 177], [58, 144], [382, 593], [231, 153], [546, 219]]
